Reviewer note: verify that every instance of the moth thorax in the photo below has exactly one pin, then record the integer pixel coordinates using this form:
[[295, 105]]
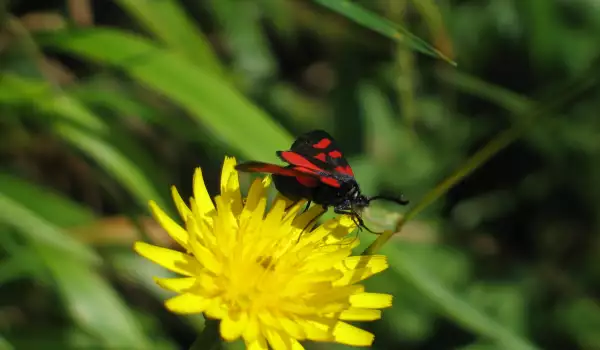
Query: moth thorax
[[359, 202]]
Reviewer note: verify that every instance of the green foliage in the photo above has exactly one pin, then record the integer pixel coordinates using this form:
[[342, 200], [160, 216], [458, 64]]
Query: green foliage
[[498, 155], [383, 26]]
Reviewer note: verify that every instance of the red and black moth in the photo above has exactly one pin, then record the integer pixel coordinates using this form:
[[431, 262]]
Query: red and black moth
[[318, 172]]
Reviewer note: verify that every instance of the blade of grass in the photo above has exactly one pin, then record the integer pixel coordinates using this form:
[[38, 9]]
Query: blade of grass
[[4, 344], [37, 229], [169, 22], [430, 11], [21, 263], [114, 162], [383, 26], [223, 111], [92, 303], [243, 30], [85, 131], [455, 308], [48, 205], [507, 99]]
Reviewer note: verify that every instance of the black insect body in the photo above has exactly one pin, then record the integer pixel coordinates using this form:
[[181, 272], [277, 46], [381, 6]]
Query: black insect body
[[318, 172]]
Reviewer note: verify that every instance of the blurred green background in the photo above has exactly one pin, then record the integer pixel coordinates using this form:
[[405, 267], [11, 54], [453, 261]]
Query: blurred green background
[[105, 104]]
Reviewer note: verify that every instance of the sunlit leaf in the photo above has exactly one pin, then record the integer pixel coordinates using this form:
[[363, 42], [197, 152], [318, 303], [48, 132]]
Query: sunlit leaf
[[226, 114]]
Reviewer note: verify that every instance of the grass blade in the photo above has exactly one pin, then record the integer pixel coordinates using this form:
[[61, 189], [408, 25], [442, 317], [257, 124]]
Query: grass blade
[[48, 205], [4, 344], [85, 131], [383, 26], [93, 304], [37, 229], [169, 22], [223, 111], [457, 309]]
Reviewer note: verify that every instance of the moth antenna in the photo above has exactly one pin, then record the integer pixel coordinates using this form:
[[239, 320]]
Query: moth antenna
[[400, 201], [368, 229]]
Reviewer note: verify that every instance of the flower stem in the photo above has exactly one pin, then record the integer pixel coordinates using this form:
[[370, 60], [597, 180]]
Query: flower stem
[[209, 339]]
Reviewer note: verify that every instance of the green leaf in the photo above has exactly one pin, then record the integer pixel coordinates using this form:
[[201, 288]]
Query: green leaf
[[87, 132], [47, 204], [581, 318], [15, 89], [169, 22], [383, 26], [37, 229], [21, 263], [243, 31], [505, 302], [92, 303], [226, 114], [4, 344], [455, 308], [114, 162]]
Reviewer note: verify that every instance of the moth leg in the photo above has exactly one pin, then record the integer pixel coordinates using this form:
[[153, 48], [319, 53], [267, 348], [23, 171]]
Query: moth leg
[[357, 220], [307, 206], [310, 222], [291, 205]]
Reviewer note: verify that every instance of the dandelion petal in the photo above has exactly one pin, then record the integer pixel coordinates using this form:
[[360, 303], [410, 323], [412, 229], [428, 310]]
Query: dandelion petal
[[255, 195], [371, 300], [230, 185], [359, 268], [278, 341], [173, 229], [187, 304], [233, 325], [259, 343], [356, 314], [291, 328], [252, 330], [345, 333], [177, 285], [205, 205], [182, 208], [170, 259]]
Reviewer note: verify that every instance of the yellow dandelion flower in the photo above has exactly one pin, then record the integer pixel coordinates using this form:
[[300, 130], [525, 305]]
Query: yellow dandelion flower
[[267, 276]]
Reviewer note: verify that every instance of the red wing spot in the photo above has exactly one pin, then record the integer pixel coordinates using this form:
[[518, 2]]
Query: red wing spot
[[330, 181], [296, 159], [345, 170], [324, 143], [307, 181], [335, 154], [322, 157]]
